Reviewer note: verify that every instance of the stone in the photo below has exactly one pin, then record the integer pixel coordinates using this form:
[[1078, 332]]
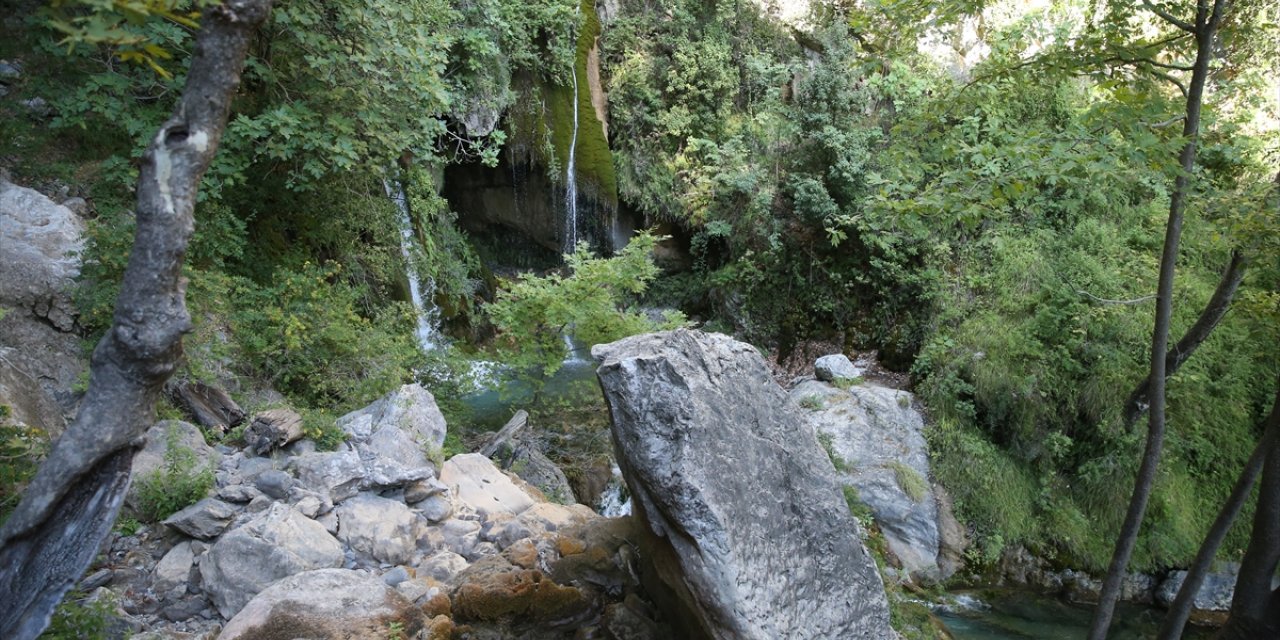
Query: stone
[[206, 519], [99, 578], [494, 589], [328, 604], [151, 458], [238, 493], [9, 71], [541, 518], [174, 569], [443, 566], [475, 481], [338, 473], [421, 490], [746, 524], [1215, 592], [435, 509], [875, 438], [378, 528], [410, 408], [42, 241], [312, 505], [278, 543], [395, 576], [275, 484], [836, 367], [538, 470]]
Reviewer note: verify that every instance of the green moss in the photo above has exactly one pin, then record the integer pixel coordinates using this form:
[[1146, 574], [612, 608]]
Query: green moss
[[910, 481]]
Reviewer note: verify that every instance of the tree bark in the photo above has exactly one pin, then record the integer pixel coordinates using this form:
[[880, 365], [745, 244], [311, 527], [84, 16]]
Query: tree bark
[[1213, 312], [1255, 606], [1176, 619], [1207, 20], [70, 505]]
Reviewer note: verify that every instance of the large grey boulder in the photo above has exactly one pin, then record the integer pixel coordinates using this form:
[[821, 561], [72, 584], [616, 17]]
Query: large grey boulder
[[204, 520], [476, 482], [40, 353], [328, 604], [724, 472], [836, 367], [876, 437], [393, 436], [377, 527], [1215, 592], [278, 543], [337, 473]]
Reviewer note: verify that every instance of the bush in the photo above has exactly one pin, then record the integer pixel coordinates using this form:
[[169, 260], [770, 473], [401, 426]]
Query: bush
[[176, 485]]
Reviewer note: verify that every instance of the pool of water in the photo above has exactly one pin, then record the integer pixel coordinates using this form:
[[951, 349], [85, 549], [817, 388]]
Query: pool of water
[[1011, 615]]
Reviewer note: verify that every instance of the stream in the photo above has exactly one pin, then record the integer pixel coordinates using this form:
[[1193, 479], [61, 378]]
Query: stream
[[1013, 615]]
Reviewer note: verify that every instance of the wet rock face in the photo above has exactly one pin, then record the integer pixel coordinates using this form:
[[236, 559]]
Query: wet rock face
[[731, 479]]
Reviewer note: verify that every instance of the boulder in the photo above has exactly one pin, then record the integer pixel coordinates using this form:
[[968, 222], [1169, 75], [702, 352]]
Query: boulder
[[277, 543], [377, 527], [338, 473], [411, 409], [538, 470], [746, 518], [162, 436], [475, 481], [204, 520], [1215, 592], [40, 353], [836, 367], [328, 604], [495, 589], [875, 438], [174, 569]]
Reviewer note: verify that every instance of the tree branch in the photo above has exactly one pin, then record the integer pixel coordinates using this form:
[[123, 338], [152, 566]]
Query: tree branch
[[1196, 334], [70, 505], [1169, 17]]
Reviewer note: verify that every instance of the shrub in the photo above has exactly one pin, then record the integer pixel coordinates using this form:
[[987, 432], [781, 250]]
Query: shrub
[[177, 484], [812, 402], [910, 481]]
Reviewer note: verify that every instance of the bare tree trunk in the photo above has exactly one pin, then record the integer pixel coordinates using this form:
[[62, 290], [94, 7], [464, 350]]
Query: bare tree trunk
[[1255, 607], [1176, 619], [1213, 312], [70, 505], [1206, 25]]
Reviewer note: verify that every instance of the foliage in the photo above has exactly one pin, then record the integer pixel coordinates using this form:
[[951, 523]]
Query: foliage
[[322, 428], [177, 484], [812, 403], [828, 443], [593, 304], [80, 617], [21, 450], [909, 480]]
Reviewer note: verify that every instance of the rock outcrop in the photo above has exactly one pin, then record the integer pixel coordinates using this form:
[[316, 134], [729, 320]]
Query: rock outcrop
[[327, 604], [40, 355], [730, 480], [875, 436]]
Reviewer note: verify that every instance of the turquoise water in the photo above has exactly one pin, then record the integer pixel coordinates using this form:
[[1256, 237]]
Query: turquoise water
[[1010, 615]]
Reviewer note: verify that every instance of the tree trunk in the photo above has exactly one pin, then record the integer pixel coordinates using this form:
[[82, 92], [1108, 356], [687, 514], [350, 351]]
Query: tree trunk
[[70, 505], [1255, 607], [1209, 318], [1206, 25], [1180, 610]]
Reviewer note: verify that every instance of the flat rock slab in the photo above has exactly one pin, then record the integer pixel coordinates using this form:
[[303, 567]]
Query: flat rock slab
[[477, 482], [328, 604], [724, 469]]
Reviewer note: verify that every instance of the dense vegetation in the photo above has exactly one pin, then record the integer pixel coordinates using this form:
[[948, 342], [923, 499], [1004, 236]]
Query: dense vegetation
[[992, 228]]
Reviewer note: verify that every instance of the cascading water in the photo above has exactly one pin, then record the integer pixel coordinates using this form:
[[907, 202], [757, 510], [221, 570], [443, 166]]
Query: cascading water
[[570, 177], [614, 502], [428, 316]]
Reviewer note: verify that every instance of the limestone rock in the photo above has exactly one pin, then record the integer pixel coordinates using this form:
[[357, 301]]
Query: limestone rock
[[174, 568], [1215, 592], [876, 439], [753, 534], [377, 527], [338, 473], [410, 408], [836, 367], [328, 604], [474, 480], [41, 241], [278, 543], [538, 470], [204, 520], [494, 589]]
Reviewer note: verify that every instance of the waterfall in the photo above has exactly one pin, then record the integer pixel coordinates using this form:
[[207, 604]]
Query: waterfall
[[428, 316], [614, 502], [570, 178]]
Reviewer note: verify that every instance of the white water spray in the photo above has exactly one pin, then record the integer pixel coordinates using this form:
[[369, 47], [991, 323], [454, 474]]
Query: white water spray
[[428, 316], [570, 178]]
